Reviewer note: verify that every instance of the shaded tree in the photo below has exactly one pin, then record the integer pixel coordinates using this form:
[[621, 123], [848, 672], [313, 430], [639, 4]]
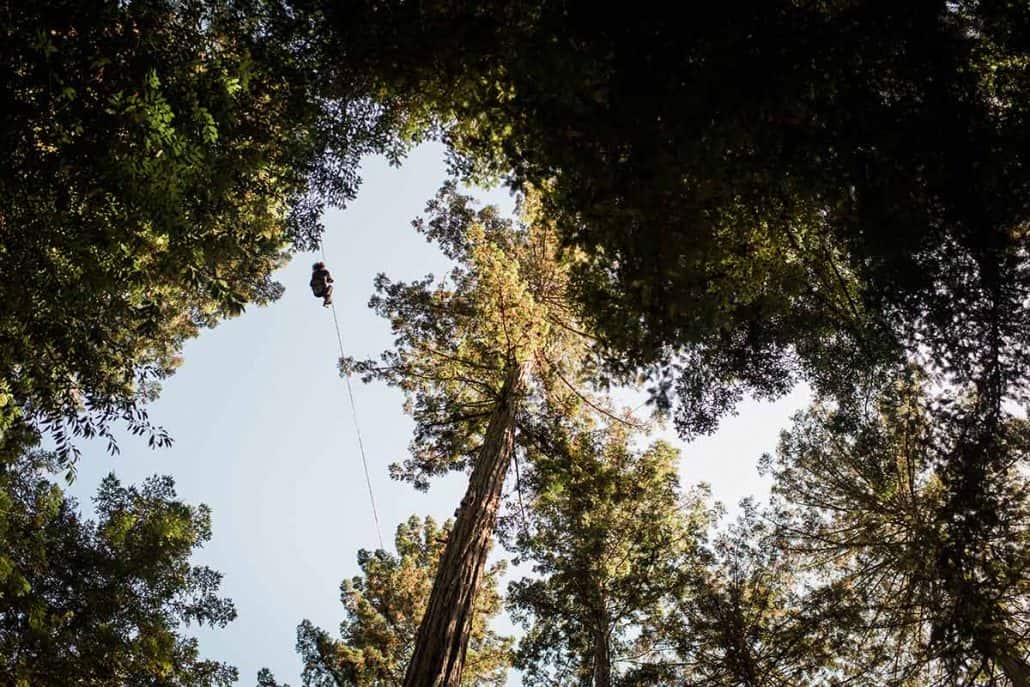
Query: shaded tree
[[760, 194], [751, 617], [900, 500], [830, 190], [159, 160]]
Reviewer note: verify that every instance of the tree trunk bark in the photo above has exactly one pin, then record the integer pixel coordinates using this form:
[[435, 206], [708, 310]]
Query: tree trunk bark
[[1016, 669], [443, 634], [602, 652]]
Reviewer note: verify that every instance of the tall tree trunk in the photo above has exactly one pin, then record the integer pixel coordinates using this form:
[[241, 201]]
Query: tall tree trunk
[[602, 651], [1016, 669], [443, 634]]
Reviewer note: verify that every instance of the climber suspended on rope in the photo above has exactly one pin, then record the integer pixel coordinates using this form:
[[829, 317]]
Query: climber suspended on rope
[[322, 287], [322, 283]]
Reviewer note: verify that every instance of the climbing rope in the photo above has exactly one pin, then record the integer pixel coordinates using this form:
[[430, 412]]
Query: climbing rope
[[354, 417]]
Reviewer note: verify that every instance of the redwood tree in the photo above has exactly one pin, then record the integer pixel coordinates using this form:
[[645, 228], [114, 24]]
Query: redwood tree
[[476, 354], [383, 606]]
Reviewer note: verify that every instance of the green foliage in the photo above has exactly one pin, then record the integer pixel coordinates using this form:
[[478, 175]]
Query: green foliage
[[158, 160], [612, 543], [904, 504], [747, 617], [458, 339], [102, 603], [761, 192], [828, 191], [266, 679], [383, 607], [483, 357], [835, 191]]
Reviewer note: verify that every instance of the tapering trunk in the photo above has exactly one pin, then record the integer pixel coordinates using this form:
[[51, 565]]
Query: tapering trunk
[[602, 652], [1016, 669], [443, 634]]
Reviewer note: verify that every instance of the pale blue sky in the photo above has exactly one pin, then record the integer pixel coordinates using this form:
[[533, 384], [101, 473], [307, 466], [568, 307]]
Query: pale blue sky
[[263, 431]]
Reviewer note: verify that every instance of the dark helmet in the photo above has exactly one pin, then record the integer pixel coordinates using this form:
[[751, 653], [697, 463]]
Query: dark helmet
[[318, 266]]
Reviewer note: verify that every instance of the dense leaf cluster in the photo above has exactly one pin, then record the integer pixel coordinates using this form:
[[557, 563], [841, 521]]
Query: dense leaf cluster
[[102, 603], [159, 161], [760, 192], [834, 191]]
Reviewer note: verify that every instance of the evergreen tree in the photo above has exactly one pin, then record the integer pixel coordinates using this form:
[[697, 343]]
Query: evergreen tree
[[828, 190], [900, 500], [748, 618], [476, 354], [384, 605], [760, 193], [612, 542]]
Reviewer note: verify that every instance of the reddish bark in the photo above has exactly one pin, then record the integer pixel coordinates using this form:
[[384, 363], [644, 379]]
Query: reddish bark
[[443, 634]]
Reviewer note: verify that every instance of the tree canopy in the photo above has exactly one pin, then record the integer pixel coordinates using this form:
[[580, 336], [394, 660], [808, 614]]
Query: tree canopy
[[926, 534], [459, 338], [612, 542], [836, 192], [760, 192], [159, 160], [750, 616], [102, 603]]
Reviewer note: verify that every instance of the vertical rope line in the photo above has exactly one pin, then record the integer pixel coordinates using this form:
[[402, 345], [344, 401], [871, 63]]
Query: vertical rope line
[[357, 425]]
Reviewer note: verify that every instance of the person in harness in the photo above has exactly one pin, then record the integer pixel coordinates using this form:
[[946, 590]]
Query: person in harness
[[322, 283]]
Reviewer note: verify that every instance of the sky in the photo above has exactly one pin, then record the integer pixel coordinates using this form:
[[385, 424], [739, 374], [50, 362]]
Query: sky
[[264, 433]]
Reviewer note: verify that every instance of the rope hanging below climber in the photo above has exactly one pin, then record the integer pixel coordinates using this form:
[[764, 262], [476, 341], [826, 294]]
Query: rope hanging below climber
[[322, 287]]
